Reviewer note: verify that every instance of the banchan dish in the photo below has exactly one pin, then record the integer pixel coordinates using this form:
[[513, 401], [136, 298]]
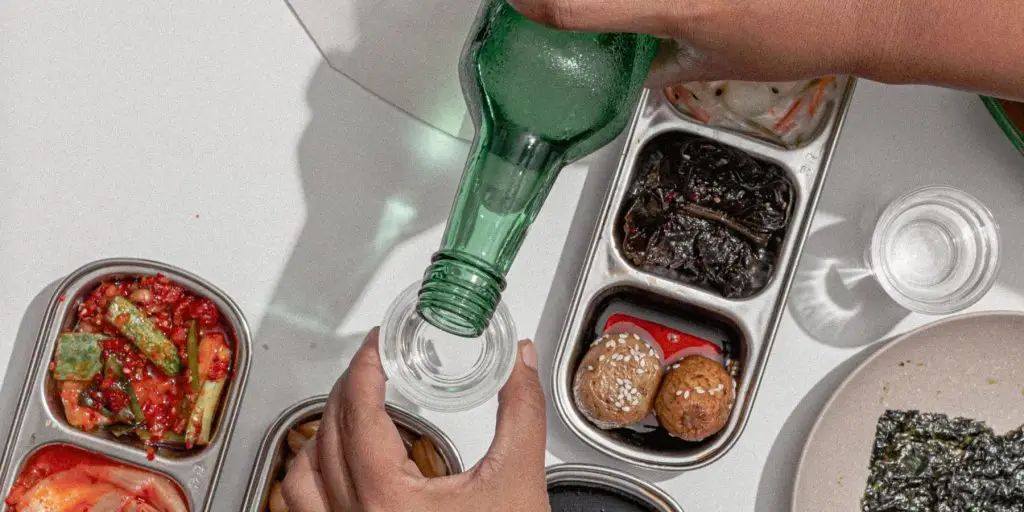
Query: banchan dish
[[40, 417], [274, 451], [85, 480], [742, 325]]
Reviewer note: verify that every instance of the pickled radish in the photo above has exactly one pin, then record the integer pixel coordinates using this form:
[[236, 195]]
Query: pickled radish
[[786, 113]]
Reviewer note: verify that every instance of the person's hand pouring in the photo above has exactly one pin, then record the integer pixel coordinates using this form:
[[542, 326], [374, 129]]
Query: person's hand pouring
[[975, 46]]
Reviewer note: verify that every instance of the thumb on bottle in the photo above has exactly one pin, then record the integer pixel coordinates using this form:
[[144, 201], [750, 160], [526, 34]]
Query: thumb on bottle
[[656, 17], [520, 437]]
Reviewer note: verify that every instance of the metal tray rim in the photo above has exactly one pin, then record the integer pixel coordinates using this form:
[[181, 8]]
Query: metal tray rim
[[262, 466], [754, 371], [203, 462], [571, 472], [817, 136], [36, 447], [618, 261]]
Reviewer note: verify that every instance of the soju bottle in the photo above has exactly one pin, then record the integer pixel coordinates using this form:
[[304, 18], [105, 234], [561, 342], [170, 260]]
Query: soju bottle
[[540, 99]]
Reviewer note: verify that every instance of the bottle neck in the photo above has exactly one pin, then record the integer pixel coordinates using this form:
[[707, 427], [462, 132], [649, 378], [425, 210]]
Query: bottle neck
[[459, 295], [507, 179]]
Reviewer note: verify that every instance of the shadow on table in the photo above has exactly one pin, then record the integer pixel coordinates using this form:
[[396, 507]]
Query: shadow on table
[[21, 354], [372, 178], [876, 162], [418, 72], [562, 443], [835, 298], [774, 492]]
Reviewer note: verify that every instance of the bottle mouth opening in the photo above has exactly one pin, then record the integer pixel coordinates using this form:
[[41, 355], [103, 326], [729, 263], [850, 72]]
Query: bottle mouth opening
[[441, 370], [448, 319], [458, 297]]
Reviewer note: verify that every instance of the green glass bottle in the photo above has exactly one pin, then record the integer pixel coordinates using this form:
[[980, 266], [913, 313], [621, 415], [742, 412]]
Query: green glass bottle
[[540, 99]]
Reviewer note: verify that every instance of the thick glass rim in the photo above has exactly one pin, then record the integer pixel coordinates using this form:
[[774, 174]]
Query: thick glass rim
[[988, 265], [399, 350]]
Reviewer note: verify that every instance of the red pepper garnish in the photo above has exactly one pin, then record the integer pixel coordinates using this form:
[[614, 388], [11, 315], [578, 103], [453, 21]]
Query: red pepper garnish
[[670, 340], [171, 308]]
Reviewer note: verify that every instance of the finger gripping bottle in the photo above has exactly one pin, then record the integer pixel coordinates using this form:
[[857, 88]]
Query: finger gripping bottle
[[540, 99]]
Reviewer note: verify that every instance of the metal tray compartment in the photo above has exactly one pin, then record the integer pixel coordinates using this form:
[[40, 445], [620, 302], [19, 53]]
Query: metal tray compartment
[[584, 477], [24, 461], [750, 322], [40, 417], [827, 111], [272, 452]]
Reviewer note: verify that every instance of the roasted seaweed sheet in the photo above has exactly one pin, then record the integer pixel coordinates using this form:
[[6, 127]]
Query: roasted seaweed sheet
[[706, 214], [932, 463]]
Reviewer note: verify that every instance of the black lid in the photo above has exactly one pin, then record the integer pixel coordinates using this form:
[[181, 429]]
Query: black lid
[[585, 497], [584, 488]]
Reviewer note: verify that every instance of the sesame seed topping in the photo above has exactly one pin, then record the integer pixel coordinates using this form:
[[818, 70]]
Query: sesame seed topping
[[699, 390], [600, 359], [622, 340], [640, 371], [679, 392], [619, 381], [618, 404], [590, 367], [686, 396], [627, 408], [610, 344], [622, 336]]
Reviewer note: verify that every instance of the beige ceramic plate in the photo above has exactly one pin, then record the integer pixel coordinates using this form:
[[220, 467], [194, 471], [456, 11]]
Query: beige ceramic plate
[[970, 366]]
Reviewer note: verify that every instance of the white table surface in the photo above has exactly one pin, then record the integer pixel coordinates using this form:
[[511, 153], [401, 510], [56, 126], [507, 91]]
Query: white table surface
[[218, 140]]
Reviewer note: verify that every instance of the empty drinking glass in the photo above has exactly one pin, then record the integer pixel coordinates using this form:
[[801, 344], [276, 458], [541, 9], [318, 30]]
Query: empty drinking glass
[[935, 250]]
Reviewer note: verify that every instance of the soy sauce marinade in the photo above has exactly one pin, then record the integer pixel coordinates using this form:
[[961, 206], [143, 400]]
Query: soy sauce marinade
[[147, 358], [706, 214]]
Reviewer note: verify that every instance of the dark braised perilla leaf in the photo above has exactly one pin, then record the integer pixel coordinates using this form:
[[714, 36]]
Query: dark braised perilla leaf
[[930, 462], [706, 214]]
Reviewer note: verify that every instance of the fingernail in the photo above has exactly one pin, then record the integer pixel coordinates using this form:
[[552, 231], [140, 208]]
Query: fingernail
[[529, 353]]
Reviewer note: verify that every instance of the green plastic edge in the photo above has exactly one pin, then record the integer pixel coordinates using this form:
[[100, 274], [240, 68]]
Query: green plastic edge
[[996, 109]]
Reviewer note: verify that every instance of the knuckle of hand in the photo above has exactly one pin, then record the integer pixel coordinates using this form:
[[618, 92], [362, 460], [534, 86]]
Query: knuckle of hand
[[488, 470], [563, 13], [555, 13], [288, 490], [529, 396]]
